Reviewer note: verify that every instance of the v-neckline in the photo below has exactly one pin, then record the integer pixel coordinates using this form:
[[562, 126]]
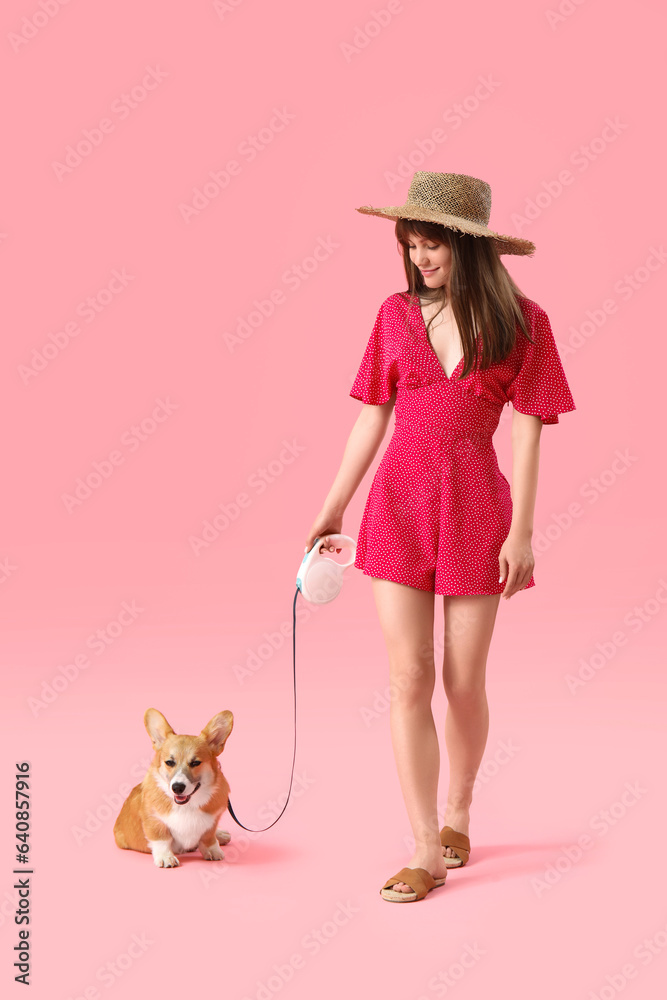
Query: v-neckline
[[431, 349]]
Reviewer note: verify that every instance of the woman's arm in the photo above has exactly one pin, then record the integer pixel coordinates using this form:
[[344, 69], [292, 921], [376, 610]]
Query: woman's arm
[[362, 444], [516, 555]]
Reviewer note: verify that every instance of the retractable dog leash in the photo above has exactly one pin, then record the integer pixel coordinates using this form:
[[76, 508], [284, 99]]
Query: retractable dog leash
[[319, 580]]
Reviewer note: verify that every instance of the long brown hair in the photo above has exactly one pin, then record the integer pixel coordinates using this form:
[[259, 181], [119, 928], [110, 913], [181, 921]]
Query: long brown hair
[[483, 293]]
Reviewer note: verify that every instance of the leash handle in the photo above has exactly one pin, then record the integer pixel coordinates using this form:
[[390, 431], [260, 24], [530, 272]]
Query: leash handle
[[229, 801]]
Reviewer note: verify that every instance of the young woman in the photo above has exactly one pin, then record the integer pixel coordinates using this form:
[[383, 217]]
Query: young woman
[[446, 356]]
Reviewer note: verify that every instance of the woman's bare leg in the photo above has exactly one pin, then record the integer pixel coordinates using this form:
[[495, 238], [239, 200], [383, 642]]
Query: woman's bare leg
[[406, 619], [469, 623]]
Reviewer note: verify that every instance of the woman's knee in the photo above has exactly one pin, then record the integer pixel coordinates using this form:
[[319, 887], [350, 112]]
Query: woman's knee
[[468, 693], [412, 683]]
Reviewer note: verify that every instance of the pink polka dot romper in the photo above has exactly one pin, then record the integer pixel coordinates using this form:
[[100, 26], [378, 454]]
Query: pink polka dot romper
[[439, 508]]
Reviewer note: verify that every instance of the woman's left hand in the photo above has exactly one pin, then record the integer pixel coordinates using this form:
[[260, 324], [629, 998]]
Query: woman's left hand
[[516, 561]]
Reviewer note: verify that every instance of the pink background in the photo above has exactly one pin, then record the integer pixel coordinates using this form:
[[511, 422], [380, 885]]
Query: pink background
[[362, 101]]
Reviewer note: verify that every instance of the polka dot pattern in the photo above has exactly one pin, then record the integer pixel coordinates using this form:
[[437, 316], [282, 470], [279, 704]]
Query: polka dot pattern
[[439, 508]]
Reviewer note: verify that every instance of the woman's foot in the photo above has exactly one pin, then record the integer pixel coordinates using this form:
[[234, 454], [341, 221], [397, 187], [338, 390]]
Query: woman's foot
[[431, 859], [459, 820]]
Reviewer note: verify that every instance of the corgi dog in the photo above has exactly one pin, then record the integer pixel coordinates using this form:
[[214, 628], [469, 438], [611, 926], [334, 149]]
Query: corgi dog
[[178, 805]]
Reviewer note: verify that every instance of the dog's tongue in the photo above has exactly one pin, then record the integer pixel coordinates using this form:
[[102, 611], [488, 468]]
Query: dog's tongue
[[181, 799]]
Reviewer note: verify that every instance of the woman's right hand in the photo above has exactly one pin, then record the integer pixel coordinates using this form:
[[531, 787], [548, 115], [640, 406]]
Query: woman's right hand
[[326, 523]]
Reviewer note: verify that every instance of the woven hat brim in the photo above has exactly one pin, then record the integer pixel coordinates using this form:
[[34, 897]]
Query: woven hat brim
[[504, 244]]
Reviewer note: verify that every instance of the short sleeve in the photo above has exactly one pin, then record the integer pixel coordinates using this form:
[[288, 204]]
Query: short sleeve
[[377, 375], [540, 387]]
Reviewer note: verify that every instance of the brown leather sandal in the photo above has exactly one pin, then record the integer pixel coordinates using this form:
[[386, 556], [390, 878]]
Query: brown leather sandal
[[417, 878], [459, 843]]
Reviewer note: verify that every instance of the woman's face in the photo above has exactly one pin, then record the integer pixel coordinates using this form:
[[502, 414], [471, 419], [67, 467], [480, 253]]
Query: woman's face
[[433, 260]]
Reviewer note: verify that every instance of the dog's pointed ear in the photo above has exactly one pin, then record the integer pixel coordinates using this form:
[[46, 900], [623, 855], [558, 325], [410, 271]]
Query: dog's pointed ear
[[157, 726], [217, 731]]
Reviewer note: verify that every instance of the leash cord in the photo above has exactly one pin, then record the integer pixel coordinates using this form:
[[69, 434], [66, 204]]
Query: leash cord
[[229, 802]]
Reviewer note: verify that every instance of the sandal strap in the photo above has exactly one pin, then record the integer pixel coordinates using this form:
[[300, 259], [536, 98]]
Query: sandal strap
[[419, 880], [458, 842]]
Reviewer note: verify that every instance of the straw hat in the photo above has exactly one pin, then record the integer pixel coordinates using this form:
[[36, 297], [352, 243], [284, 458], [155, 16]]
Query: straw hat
[[456, 201]]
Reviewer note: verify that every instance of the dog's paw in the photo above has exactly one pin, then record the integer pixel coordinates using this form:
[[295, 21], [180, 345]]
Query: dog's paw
[[166, 860], [223, 836], [212, 853]]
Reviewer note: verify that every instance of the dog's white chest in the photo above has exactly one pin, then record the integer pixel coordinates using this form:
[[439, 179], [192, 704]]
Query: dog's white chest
[[187, 825]]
